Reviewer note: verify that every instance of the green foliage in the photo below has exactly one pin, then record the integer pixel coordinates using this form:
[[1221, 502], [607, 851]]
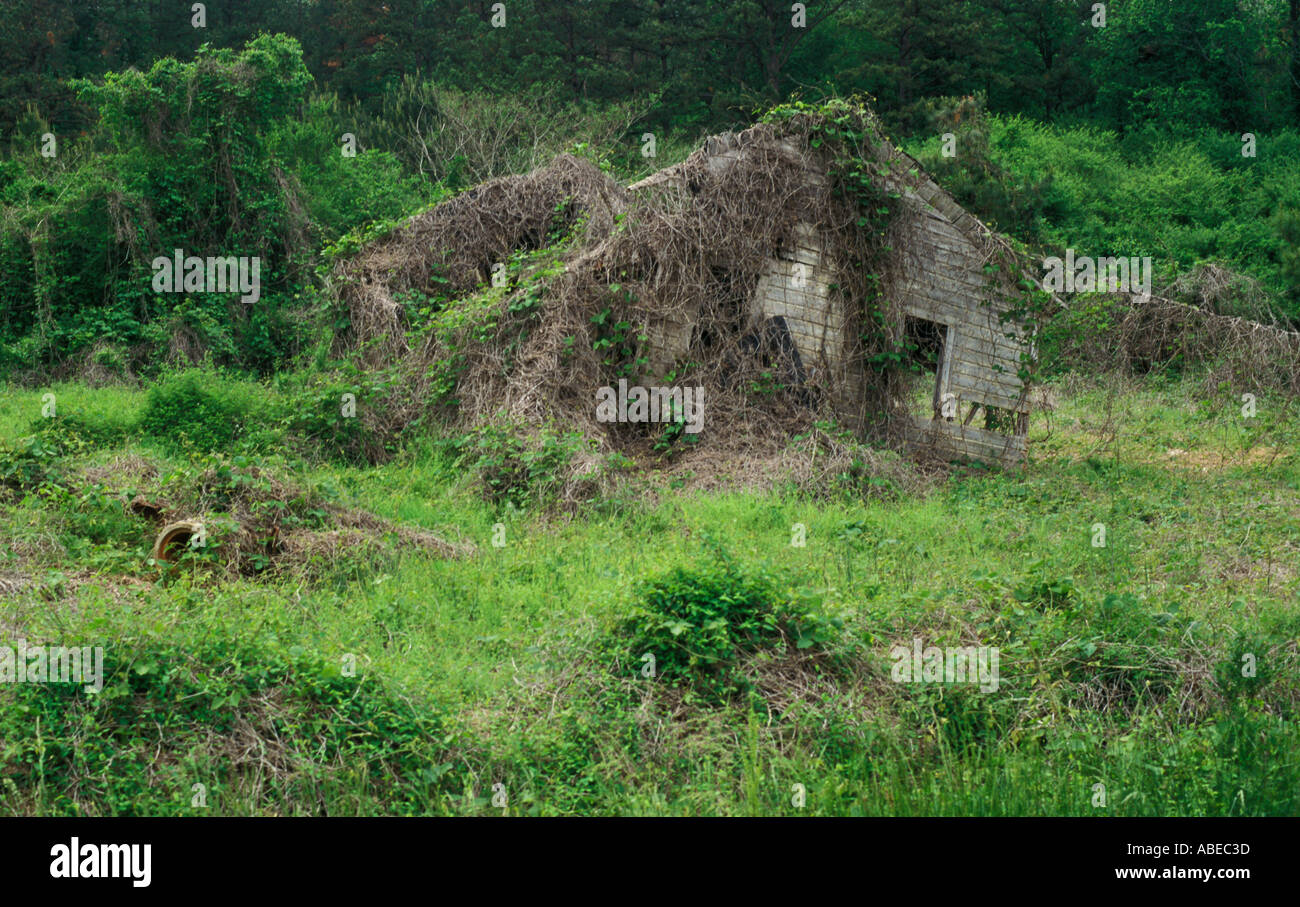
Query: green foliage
[[698, 623], [169, 716], [218, 156], [1287, 224], [1249, 666], [1191, 68], [80, 430], [619, 344], [338, 415], [1180, 198], [1121, 664], [516, 468], [185, 411], [675, 437], [1046, 592], [343, 193], [1004, 200], [30, 464]]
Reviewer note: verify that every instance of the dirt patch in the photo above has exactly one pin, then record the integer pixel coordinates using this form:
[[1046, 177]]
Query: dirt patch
[[1212, 460]]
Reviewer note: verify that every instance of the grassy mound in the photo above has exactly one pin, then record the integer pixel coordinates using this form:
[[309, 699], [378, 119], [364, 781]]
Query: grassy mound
[[225, 727]]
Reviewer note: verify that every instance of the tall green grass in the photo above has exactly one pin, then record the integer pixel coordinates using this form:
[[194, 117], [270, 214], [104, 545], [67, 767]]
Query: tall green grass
[[1120, 665]]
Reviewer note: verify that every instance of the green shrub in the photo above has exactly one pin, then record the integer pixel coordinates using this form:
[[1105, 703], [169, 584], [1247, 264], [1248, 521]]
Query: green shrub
[[514, 468], [1182, 199], [1132, 650], [96, 514], [30, 463], [172, 714], [324, 416], [80, 430], [1247, 669], [185, 411], [180, 158], [698, 623]]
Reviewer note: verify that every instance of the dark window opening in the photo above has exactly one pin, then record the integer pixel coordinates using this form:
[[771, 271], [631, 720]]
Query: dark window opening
[[924, 347]]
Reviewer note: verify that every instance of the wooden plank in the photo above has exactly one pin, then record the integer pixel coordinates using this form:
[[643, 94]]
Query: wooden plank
[[952, 282], [956, 281], [956, 244], [976, 364], [1004, 336], [1006, 380], [985, 328], [958, 441], [990, 396], [1000, 371], [986, 322], [966, 390], [971, 437], [931, 310], [966, 270], [951, 342], [989, 354], [776, 293], [1001, 347]]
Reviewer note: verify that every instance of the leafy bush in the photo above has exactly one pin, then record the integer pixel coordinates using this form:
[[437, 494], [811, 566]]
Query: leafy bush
[[94, 513], [514, 468], [698, 623], [30, 463], [341, 192], [183, 155], [171, 714], [1182, 199], [324, 413], [1247, 669], [1133, 651], [181, 411], [80, 430], [1008, 201]]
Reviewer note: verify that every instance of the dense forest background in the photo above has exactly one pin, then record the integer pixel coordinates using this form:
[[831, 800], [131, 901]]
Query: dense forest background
[[1141, 127], [1222, 64]]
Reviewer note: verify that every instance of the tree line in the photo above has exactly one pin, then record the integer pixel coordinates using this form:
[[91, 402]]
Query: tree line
[[1232, 65]]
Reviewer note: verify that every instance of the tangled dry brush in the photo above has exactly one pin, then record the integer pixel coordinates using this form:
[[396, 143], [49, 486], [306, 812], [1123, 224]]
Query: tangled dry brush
[[612, 271]]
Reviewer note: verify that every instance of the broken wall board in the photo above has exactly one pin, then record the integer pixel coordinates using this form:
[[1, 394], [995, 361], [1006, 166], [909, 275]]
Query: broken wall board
[[956, 441]]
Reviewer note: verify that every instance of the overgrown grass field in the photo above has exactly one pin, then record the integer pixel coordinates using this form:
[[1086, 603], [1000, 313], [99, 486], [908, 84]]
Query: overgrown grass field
[[510, 677]]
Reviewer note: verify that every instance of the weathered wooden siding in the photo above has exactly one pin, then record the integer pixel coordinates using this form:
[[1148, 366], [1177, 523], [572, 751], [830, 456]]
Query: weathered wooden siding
[[938, 274], [952, 439], [936, 271]]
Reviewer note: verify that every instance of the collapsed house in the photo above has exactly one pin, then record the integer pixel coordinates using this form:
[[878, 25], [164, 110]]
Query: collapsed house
[[936, 280], [792, 277]]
